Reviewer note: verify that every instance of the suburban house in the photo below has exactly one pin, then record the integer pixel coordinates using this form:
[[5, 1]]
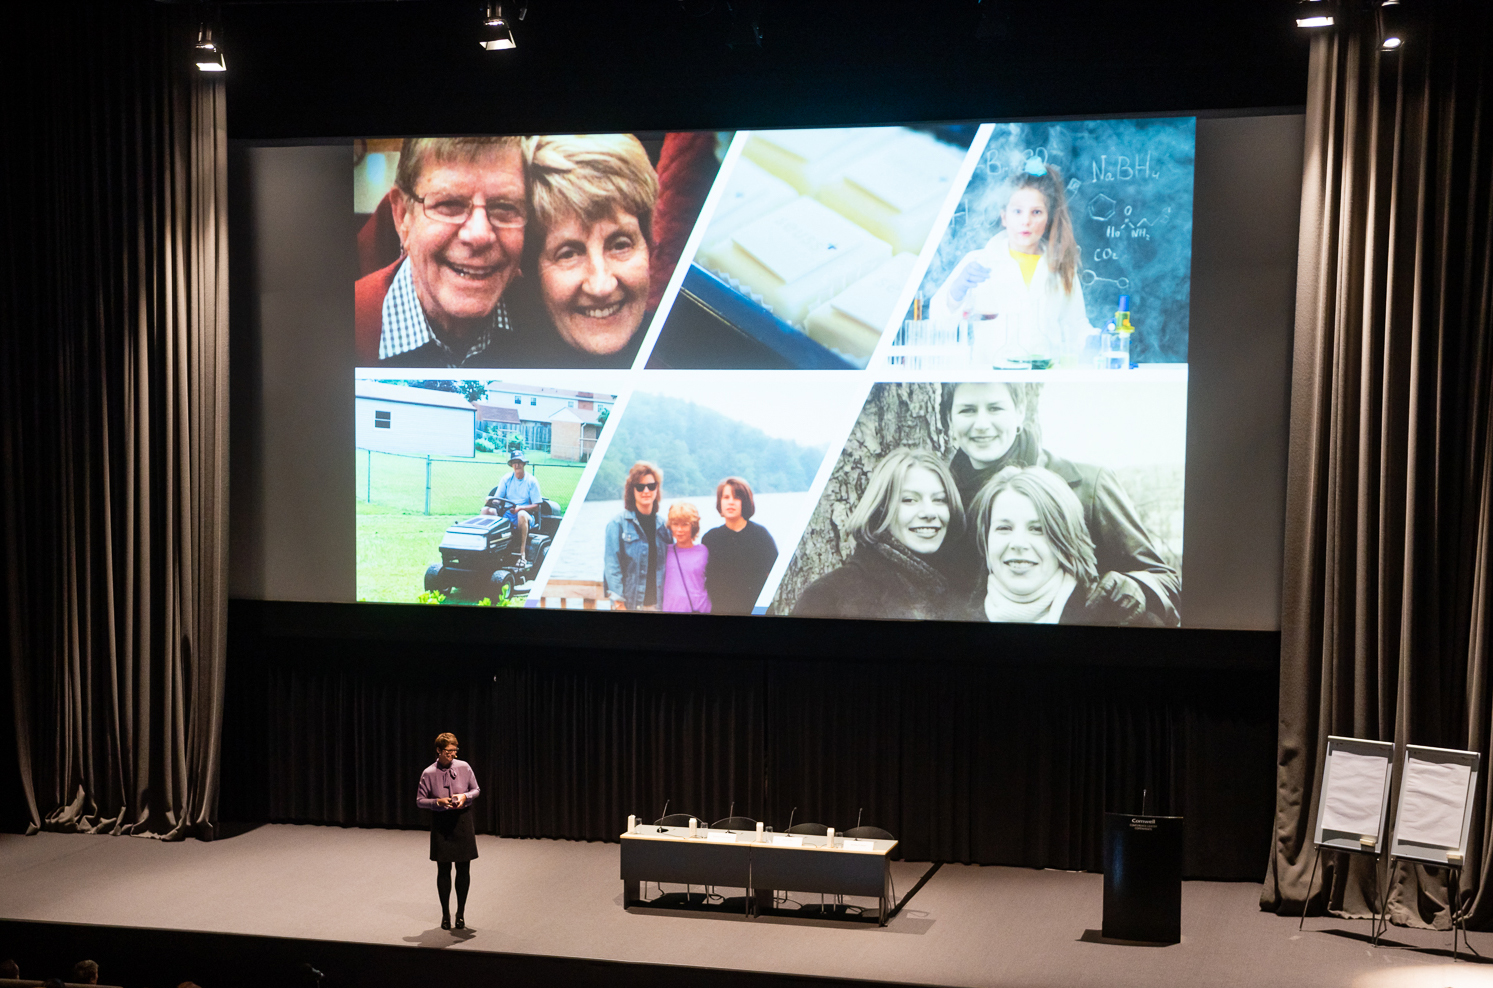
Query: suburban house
[[563, 423]]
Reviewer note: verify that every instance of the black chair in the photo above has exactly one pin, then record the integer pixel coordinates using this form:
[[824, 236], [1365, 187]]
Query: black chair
[[867, 833], [808, 830], [674, 820], [735, 823]]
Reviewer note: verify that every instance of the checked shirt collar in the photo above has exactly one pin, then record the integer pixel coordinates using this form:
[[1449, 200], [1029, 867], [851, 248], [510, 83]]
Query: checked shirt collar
[[406, 328]]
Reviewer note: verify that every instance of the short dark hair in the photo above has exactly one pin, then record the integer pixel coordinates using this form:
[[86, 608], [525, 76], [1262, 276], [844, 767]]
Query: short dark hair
[[743, 493], [444, 739], [10, 969], [85, 972]]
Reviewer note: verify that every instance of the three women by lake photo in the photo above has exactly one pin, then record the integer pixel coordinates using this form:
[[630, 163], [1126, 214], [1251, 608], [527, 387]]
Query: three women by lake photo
[[671, 567]]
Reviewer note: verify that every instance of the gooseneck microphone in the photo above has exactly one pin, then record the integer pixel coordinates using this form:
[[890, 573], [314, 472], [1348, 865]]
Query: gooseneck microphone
[[664, 830], [858, 817], [790, 819]]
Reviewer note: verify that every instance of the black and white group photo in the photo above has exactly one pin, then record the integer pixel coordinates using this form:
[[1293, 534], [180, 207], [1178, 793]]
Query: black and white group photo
[[1002, 500]]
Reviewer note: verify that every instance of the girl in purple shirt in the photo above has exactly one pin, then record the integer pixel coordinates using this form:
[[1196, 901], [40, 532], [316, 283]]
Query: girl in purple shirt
[[447, 789], [684, 564]]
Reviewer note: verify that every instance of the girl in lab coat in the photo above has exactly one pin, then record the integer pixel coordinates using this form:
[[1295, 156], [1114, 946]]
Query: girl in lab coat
[[1020, 292]]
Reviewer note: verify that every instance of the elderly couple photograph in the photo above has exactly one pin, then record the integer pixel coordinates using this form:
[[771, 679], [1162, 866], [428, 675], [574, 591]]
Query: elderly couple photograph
[[545, 251], [948, 503]]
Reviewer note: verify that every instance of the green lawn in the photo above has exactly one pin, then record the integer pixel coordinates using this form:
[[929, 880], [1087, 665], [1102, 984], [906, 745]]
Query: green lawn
[[456, 486], [397, 540]]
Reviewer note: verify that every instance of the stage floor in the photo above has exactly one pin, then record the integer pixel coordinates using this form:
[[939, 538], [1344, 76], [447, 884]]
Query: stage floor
[[968, 926]]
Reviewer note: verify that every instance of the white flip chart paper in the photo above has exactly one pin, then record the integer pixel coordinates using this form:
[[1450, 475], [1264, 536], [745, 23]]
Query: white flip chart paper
[[1433, 801], [1354, 801]]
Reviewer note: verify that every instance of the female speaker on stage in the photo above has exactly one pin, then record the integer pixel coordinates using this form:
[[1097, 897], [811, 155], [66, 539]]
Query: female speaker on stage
[[447, 789]]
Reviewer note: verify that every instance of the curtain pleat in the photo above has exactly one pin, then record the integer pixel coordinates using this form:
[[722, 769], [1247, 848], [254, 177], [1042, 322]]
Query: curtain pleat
[[114, 435], [991, 762], [563, 746], [1384, 630]]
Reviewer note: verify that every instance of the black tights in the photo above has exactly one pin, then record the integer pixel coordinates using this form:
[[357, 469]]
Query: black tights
[[443, 885]]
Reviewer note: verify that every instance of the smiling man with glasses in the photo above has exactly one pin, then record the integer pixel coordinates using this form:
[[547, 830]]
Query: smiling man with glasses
[[460, 208]]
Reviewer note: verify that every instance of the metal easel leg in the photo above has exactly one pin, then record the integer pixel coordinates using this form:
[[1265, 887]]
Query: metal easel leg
[[1382, 925], [1454, 877], [1306, 899]]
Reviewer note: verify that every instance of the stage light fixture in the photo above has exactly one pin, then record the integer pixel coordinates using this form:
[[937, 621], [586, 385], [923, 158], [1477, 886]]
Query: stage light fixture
[[1391, 25], [1313, 14], [206, 53], [496, 35]]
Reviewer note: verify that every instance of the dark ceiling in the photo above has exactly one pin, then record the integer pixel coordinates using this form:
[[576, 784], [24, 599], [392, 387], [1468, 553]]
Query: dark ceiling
[[306, 70]]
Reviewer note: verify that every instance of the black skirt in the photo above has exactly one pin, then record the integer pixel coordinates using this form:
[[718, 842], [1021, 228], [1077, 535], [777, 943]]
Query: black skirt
[[452, 836]]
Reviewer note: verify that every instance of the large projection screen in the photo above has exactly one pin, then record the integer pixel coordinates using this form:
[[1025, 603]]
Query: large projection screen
[[870, 373]]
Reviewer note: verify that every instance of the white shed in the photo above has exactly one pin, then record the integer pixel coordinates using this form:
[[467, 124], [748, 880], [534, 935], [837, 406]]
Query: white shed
[[395, 418]]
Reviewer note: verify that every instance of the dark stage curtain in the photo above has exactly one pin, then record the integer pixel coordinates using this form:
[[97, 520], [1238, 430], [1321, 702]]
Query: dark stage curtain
[[563, 744], [113, 418], [1385, 613], [990, 762], [996, 762]]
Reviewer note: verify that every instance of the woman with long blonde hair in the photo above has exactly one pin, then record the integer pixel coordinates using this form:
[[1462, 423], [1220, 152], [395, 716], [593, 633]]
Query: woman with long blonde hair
[[1021, 291]]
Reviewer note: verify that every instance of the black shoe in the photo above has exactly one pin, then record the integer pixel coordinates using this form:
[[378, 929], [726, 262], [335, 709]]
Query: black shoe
[[461, 922], [445, 922]]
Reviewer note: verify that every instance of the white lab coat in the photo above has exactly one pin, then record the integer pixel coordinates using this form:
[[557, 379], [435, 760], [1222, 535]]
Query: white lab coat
[[1035, 319]]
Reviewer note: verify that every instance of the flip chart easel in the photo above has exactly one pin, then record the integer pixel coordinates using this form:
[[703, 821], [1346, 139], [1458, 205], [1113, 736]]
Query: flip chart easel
[[1351, 803], [1433, 818]]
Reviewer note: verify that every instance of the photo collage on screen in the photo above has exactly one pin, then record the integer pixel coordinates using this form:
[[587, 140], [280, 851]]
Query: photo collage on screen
[[893, 373]]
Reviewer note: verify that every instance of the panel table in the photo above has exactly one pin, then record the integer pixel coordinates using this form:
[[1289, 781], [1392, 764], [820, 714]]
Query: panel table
[[761, 868]]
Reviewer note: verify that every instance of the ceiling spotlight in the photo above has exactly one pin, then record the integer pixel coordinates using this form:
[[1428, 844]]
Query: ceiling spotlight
[[206, 53], [496, 35], [1314, 13], [1391, 25]]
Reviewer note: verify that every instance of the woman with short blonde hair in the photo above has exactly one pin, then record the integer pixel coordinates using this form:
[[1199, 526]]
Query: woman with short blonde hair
[[685, 563], [590, 241]]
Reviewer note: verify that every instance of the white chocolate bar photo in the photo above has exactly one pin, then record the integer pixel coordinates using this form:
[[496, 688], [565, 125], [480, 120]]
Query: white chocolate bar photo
[[896, 192], [801, 221], [852, 322], [750, 193], [797, 257], [810, 159]]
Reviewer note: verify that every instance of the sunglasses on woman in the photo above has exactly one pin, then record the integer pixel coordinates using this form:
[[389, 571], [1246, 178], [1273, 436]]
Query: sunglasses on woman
[[650, 486]]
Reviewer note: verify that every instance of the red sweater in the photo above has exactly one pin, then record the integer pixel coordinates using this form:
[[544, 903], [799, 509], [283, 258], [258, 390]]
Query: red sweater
[[368, 312]]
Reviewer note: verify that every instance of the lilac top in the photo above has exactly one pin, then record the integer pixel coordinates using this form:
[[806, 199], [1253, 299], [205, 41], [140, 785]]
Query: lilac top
[[684, 580], [436, 782]]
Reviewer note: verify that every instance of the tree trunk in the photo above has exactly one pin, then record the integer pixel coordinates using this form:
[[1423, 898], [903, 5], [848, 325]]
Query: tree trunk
[[894, 415]]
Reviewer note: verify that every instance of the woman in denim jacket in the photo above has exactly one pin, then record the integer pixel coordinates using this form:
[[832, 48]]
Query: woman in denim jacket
[[633, 564]]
